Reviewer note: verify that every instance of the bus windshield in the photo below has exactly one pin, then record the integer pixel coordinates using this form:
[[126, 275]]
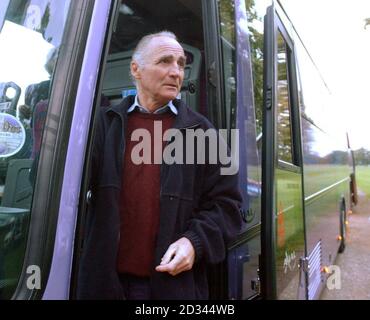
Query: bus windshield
[[30, 34]]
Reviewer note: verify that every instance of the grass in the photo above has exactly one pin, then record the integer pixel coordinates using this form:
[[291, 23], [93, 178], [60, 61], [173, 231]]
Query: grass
[[318, 177], [363, 179]]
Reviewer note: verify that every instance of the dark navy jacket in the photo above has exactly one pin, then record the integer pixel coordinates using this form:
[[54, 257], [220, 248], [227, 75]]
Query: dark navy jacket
[[195, 201]]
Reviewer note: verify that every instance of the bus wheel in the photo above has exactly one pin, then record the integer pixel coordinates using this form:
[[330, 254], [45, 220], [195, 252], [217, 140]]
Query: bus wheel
[[342, 225]]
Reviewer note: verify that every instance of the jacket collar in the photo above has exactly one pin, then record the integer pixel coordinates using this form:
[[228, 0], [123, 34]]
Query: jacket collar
[[185, 118]]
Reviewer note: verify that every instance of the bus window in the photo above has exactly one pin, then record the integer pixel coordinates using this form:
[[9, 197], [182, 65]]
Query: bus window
[[228, 43], [238, 75], [255, 26], [284, 119], [239, 105], [30, 35]]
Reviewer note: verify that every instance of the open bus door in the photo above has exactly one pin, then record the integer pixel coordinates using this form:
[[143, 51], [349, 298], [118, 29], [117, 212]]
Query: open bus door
[[282, 234]]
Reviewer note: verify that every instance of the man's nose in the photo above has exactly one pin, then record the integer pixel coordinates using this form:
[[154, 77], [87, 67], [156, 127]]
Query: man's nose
[[175, 70]]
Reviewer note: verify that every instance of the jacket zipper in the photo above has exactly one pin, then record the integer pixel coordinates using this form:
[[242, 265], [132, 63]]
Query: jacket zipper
[[161, 170]]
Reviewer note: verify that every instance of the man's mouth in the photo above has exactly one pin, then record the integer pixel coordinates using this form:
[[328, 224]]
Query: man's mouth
[[171, 85]]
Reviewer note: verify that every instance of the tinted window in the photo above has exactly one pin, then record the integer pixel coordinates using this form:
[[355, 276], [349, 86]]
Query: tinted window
[[284, 137], [30, 35], [228, 43]]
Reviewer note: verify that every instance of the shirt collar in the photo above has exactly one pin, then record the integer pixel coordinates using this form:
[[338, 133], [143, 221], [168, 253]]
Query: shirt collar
[[142, 109]]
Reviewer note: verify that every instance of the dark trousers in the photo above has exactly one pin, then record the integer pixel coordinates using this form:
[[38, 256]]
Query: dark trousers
[[135, 288]]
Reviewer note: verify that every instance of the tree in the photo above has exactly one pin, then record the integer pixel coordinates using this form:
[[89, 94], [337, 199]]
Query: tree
[[362, 156], [256, 41], [367, 22]]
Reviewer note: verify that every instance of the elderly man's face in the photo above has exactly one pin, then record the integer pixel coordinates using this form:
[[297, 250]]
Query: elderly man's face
[[160, 78]]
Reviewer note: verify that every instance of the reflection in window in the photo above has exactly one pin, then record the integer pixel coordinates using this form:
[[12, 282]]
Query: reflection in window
[[30, 35], [255, 16], [284, 137], [228, 43]]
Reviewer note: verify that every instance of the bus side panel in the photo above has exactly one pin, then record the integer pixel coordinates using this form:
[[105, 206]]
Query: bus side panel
[[325, 183]]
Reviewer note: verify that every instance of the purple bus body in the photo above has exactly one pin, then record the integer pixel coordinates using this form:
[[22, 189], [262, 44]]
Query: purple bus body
[[59, 278]]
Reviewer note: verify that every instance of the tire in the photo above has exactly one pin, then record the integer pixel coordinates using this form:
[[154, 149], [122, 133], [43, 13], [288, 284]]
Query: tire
[[342, 226]]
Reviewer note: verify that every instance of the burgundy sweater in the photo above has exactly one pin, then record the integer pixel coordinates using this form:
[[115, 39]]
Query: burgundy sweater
[[140, 203]]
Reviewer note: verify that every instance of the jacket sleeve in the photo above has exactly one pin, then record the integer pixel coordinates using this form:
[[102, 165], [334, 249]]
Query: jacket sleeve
[[97, 150], [218, 220]]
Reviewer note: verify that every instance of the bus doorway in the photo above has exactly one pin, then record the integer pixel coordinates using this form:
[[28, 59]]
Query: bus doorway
[[214, 73]]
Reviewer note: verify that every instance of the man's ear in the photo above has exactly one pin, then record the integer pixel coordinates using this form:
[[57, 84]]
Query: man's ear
[[135, 70]]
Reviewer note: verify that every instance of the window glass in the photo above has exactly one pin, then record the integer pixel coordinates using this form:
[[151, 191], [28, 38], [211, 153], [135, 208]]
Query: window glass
[[30, 35], [284, 137], [241, 61], [316, 104], [256, 11], [227, 21]]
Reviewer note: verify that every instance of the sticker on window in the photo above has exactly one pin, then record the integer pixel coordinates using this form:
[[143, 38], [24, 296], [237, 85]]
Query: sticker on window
[[12, 135]]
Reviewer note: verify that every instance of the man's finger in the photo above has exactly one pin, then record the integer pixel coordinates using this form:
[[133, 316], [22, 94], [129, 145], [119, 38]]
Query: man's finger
[[171, 251], [171, 267]]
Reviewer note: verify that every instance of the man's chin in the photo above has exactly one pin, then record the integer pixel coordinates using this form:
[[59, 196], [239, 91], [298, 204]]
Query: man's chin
[[169, 97]]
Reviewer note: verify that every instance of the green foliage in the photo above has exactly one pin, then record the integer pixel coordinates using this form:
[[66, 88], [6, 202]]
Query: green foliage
[[367, 22], [256, 41], [227, 16], [362, 157]]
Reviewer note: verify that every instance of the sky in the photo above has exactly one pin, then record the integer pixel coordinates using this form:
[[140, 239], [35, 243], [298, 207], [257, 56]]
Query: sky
[[24, 62], [334, 33]]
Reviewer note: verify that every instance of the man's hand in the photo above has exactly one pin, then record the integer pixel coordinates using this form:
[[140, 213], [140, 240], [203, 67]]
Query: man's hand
[[179, 257]]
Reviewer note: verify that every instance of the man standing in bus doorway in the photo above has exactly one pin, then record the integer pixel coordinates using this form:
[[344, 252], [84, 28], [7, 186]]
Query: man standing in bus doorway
[[153, 227]]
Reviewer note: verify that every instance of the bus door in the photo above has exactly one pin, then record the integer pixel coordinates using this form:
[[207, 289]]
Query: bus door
[[238, 68], [44, 119], [283, 237], [201, 86]]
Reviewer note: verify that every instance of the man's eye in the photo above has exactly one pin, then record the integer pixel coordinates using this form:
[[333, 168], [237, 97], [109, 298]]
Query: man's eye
[[165, 60]]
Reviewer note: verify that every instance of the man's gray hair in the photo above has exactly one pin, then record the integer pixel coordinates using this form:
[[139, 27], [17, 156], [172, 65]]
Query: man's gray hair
[[139, 52]]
